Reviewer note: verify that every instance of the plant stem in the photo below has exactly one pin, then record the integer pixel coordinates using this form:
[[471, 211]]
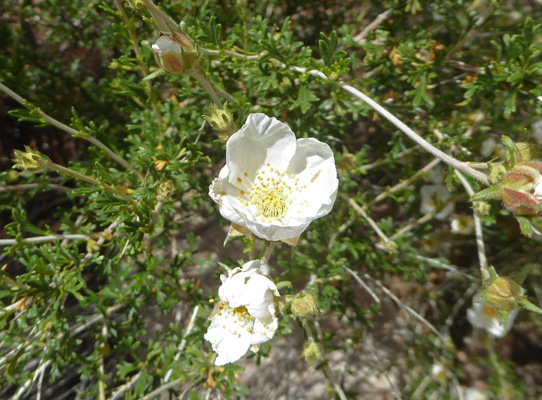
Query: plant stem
[[459, 165], [86, 178], [142, 65], [204, 81], [42, 239], [484, 271], [74, 132]]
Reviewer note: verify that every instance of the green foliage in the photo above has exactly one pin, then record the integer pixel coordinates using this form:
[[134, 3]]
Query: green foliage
[[99, 281]]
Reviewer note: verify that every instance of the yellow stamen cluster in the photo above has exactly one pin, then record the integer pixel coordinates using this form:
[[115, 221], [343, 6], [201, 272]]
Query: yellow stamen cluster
[[271, 193], [245, 320]]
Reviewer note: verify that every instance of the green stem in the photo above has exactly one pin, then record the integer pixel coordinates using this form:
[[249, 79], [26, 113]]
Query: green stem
[[142, 65], [204, 81], [86, 178], [66, 128]]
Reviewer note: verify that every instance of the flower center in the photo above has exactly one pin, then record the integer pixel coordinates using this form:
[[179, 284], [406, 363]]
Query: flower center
[[271, 193], [271, 201]]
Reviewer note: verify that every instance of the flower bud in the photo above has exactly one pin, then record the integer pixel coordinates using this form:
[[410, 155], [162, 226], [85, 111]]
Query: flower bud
[[138, 5], [522, 188], [304, 306], [527, 151], [176, 53], [497, 171], [503, 293], [165, 191], [30, 160], [311, 352], [221, 120]]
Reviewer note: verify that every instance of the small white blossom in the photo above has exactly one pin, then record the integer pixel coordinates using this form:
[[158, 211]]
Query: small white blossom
[[433, 199], [537, 130], [485, 316], [474, 394], [488, 147], [462, 224], [273, 184], [245, 316], [439, 372]]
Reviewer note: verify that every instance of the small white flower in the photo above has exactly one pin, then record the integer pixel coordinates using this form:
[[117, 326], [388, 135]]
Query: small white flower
[[273, 184], [439, 372], [245, 315], [488, 147], [485, 316], [537, 130], [462, 224], [474, 394], [433, 199]]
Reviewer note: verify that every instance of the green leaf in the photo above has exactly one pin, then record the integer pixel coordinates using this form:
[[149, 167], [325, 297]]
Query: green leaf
[[304, 99]]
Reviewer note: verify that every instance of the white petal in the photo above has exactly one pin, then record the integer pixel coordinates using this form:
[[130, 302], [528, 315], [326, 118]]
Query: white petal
[[305, 168], [484, 316], [433, 197], [263, 331], [228, 340], [261, 140], [165, 44], [314, 164]]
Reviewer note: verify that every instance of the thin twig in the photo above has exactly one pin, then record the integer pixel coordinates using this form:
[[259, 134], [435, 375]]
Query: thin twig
[[463, 167], [140, 61], [120, 391], [406, 182], [477, 229], [360, 37], [362, 284], [41, 239], [403, 306], [360, 210], [173, 384], [183, 341], [83, 135]]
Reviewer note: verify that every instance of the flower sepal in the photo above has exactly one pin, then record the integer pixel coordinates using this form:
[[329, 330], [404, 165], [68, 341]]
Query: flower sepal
[[30, 160], [505, 295]]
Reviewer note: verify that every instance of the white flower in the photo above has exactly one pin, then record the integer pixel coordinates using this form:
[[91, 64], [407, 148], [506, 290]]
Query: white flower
[[462, 224], [273, 184], [439, 372], [537, 130], [474, 394], [484, 316], [488, 147], [245, 315], [433, 199]]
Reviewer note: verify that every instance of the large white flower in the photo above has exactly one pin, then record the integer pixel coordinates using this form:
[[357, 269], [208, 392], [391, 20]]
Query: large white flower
[[245, 316], [485, 316], [273, 184]]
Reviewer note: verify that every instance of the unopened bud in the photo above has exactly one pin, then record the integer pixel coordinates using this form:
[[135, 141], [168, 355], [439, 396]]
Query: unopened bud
[[503, 293], [176, 53], [483, 207], [30, 160], [311, 352], [221, 120], [527, 151], [304, 306], [497, 171], [138, 5], [522, 188], [165, 191]]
